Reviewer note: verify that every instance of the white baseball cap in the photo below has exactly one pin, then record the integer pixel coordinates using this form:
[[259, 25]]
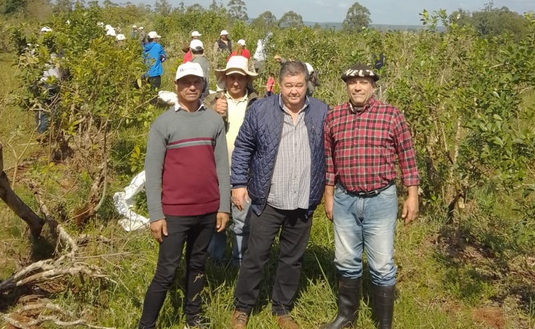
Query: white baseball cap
[[46, 29], [195, 34], [154, 35], [241, 42], [188, 68], [134, 26], [196, 44], [223, 32], [111, 32], [120, 37]]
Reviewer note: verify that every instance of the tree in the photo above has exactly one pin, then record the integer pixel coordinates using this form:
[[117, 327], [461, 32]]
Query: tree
[[163, 7], [216, 6], [237, 10], [357, 17], [11, 6], [291, 19], [265, 20]]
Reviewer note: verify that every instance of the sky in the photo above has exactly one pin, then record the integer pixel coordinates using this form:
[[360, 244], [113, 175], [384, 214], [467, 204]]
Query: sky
[[392, 12]]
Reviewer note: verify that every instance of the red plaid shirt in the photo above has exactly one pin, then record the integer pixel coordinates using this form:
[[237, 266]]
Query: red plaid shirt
[[361, 147]]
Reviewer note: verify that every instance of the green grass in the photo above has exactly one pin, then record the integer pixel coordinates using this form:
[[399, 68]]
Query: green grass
[[437, 287]]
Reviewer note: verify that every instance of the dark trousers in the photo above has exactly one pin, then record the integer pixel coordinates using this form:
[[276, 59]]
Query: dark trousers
[[196, 232], [294, 229], [155, 82]]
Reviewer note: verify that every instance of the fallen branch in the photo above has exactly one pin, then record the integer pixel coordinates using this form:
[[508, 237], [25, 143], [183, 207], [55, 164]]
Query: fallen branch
[[46, 306], [20, 208]]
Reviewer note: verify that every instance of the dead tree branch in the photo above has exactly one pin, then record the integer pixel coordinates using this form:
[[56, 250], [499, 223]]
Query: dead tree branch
[[34, 222]]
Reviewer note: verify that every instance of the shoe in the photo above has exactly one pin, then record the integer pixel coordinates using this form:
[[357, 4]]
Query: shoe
[[239, 320], [287, 322], [197, 322]]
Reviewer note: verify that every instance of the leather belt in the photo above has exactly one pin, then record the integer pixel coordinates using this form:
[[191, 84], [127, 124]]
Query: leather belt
[[368, 194]]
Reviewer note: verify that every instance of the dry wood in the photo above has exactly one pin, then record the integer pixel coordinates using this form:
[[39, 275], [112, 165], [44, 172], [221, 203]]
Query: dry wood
[[47, 306], [34, 222]]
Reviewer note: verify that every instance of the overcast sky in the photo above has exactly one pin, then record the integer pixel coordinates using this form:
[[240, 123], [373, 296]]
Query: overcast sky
[[396, 12]]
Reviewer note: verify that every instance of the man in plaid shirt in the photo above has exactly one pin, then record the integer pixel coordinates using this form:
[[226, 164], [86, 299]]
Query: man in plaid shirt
[[363, 139]]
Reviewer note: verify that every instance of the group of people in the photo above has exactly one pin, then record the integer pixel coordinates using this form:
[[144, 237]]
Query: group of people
[[154, 55], [284, 154]]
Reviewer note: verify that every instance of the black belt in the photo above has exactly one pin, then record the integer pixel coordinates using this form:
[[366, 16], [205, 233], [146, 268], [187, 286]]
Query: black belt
[[368, 194]]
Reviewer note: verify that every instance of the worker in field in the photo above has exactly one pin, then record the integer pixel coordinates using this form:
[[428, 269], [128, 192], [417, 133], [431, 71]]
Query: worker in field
[[364, 140], [197, 51], [188, 56], [232, 104], [188, 194], [223, 44], [153, 57], [278, 166]]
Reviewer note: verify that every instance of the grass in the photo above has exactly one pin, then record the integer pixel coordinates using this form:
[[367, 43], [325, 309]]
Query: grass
[[437, 287]]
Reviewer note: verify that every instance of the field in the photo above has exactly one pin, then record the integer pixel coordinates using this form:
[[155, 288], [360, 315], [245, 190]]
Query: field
[[467, 262]]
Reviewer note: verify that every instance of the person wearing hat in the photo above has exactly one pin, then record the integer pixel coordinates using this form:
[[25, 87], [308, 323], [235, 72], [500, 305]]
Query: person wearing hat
[[223, 44], [133, 35], [363, 138], [142, 36], [232, 104], [153, 57], [197, 50], [240, 50], [278, 166], [187, 186], [188, 56]]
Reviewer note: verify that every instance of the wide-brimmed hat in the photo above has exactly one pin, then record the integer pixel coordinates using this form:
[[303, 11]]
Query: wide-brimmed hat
[[223, 32], [359, 70], [236, 64], [188, 68]]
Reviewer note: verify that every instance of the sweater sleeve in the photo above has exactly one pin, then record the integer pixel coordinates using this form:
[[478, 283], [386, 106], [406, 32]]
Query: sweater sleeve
[[154, 160], [222, 167]]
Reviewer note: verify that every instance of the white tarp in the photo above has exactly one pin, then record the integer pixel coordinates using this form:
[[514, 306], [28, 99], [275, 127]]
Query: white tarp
[[124, 201]]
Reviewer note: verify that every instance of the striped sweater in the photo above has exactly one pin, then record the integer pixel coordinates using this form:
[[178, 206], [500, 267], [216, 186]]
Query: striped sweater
[[186, 164]]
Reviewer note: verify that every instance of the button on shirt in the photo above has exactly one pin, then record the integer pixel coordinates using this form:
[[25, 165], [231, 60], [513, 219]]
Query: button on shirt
[[290, 184], [235, 116]]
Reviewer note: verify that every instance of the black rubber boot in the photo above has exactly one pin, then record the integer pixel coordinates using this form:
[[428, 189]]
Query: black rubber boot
[[349, 292], [383, 305]]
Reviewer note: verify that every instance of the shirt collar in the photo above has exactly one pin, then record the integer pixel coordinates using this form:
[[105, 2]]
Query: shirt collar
[[355, 109], [177, 107], [284, 108], [239, 100]]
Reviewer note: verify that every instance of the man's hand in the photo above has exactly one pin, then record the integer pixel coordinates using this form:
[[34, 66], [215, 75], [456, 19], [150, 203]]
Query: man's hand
[[240, 197], [221, 105], [329, 201], [159, 229], [221, 221], [410, 206]]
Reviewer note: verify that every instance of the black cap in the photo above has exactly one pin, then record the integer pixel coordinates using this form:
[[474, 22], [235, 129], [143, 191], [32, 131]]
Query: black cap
[[359, 70]]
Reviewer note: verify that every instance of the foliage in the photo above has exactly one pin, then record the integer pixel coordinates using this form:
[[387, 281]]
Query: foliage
[[469, 103], [237, 10], [291, 19], [11, 6], [357, 17], [491, 21]]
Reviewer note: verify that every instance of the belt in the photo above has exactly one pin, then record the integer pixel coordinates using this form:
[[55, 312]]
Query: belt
[[369, 194]]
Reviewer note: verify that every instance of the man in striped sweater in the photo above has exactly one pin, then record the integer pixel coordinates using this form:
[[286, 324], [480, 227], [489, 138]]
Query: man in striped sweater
[[188, 191]]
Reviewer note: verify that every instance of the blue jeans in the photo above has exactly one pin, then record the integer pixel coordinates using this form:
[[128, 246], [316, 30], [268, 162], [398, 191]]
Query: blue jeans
[[369, 224], [240, 228]]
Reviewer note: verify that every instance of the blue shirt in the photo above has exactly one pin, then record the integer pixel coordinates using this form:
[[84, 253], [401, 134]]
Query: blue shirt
[[153, 56]]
